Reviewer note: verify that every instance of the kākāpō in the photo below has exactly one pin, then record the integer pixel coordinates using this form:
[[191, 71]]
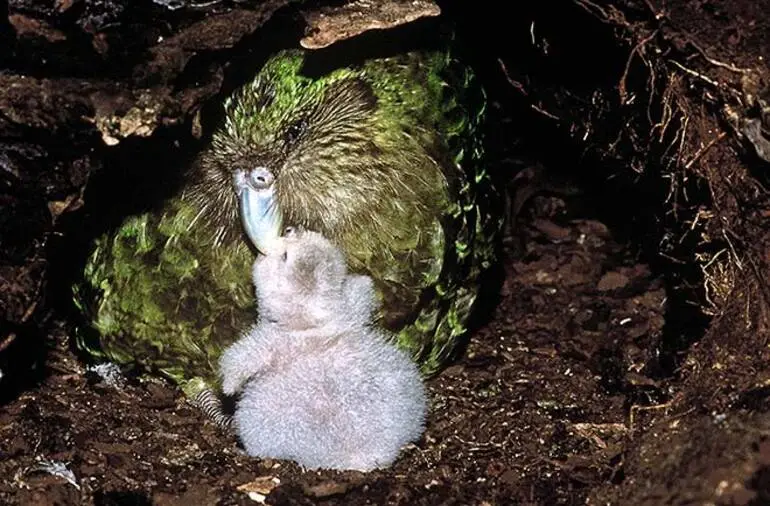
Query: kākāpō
[[318, 383], [384, 158]]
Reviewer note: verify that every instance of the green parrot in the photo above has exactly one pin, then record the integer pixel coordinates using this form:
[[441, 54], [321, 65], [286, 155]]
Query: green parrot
[[383, 158]]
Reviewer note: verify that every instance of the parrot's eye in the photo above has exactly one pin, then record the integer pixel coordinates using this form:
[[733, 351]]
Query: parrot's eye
[[295, 130]]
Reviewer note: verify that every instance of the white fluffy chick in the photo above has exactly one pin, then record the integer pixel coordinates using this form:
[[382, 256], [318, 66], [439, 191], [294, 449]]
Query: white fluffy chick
[[318, 384]]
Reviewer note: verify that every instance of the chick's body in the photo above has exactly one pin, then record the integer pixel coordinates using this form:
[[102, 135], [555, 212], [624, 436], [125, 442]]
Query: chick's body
[[381, 158], [317, 383]]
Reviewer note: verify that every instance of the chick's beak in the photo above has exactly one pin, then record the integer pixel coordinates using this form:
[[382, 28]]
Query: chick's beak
[[260, 213]]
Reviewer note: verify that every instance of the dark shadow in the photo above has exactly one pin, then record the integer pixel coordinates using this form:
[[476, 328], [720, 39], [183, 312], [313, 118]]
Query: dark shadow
[[22, 362], [535, 50], [121, 498], [760, 484]]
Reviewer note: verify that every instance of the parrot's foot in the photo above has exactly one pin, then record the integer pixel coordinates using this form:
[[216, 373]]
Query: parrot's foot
[[210, 404], [200, 395]]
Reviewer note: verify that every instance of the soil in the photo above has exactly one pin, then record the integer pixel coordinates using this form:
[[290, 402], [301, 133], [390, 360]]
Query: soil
[[535, 413]]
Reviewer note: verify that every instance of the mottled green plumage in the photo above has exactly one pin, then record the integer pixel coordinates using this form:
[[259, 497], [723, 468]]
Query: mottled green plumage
[[382, 158]]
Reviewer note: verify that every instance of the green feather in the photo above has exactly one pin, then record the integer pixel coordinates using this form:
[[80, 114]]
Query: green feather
[[171, 289]]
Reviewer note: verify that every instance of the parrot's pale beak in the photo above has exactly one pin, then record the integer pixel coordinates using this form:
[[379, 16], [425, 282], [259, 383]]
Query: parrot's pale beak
[[260, 213]]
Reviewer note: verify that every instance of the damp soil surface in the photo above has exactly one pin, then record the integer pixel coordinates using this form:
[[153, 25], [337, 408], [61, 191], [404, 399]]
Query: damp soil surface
[[538, 410]]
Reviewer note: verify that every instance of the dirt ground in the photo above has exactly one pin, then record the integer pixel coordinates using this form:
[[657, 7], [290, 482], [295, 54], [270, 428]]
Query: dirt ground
[[535, 413]]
